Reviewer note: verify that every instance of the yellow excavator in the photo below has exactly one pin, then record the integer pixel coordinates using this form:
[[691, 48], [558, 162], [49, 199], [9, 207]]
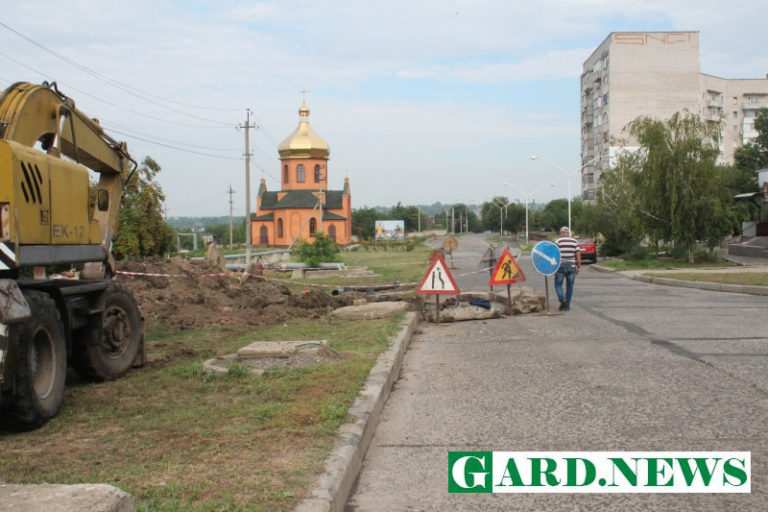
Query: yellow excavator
[[50, 217]]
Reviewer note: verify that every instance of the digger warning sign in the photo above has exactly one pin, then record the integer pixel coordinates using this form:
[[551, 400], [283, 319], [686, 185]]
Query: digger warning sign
[[438, 280], [507, 270]]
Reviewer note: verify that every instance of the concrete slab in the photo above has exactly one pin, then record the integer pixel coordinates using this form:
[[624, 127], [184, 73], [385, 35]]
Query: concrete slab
[[64, 498]]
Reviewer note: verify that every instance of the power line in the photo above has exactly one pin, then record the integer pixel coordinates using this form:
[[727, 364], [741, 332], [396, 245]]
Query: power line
[[130, 90], [174, 147], [107, 123], [126, 109]]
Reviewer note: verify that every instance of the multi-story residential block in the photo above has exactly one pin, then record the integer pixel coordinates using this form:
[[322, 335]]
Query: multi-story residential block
[[656, 74]]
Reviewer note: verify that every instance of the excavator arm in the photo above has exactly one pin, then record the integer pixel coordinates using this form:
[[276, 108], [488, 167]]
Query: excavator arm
[[44, 119]]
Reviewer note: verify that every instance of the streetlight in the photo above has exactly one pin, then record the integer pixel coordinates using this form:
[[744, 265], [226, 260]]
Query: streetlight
[[502, 209], [527, 197], [569, 174]]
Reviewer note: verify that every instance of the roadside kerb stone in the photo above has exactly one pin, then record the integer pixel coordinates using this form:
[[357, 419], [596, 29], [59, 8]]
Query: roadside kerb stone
[[64, 498], [343, 465]]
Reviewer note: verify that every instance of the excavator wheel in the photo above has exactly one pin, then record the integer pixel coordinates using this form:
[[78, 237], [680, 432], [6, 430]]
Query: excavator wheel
[[107, 348], [41, 365]]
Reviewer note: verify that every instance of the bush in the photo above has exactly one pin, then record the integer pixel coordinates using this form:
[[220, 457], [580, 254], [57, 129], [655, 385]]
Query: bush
[[323, 249], [638, 253]]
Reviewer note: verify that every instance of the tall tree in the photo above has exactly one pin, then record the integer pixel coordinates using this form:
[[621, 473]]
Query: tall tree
[[618, 202], [364, 222], [682, 197], [554, 215], [492, 211], [143, 231], [749, 158]]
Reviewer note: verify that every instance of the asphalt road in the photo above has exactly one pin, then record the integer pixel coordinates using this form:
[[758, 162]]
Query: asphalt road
[[632, 367]]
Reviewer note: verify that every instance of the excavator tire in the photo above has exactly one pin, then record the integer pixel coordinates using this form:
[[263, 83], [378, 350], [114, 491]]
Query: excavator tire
[[41, 365], [106, 349]]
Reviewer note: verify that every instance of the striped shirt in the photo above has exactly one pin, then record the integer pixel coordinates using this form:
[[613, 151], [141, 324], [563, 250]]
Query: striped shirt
[[568, 249]]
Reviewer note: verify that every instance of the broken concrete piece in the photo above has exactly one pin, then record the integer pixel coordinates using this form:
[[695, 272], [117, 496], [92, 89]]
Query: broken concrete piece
[[65, 498], [279, 348], [466, 311], [261, 354], [526, 300], [371, 310]]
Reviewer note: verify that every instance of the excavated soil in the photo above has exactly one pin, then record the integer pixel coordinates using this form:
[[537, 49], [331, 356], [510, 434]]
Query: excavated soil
[[186, 294]]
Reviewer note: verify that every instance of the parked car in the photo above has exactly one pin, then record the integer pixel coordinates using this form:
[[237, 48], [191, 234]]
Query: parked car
[[588, 249]]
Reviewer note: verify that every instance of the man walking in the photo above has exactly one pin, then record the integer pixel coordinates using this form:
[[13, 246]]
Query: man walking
[[570, 265]]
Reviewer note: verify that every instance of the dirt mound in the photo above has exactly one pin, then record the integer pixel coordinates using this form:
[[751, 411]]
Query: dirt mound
[[191, 294]]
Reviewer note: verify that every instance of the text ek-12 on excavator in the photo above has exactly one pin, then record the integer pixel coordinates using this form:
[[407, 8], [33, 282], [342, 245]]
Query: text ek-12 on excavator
[[48, 217]]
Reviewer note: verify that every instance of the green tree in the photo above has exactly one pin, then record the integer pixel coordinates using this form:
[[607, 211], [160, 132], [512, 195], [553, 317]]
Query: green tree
[[682, 197], [741, 178], [554, 215], [618, 205], [321, 250], [408, 214], [491, 213], [143, 232], [754, 154], [220, 232], [364, 222]]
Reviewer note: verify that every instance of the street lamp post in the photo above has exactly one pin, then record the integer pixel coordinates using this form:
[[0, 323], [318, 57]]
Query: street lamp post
[[527, 197], [569, 175], [502, 209]]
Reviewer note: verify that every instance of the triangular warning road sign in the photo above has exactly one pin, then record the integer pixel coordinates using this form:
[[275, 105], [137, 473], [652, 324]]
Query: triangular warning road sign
[[507, 270], [438, 280]]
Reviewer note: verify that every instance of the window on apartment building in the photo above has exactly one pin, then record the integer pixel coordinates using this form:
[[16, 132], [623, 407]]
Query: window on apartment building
[[597, 102], [735, 115], [605, 99], [735, 100]]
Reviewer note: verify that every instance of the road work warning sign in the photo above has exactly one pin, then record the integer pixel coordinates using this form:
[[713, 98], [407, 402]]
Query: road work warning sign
[[507, 270], [438, 280]]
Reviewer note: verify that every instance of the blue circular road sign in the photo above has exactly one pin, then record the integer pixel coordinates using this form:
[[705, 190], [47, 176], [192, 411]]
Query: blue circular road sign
[[546, 258]]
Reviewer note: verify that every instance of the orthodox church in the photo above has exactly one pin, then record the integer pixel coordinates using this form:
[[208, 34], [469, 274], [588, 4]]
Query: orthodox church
[[303, 205]]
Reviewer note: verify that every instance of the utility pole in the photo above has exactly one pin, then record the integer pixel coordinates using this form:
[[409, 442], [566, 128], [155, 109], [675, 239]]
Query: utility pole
[[247, 128], [231, 193], [419, 210]]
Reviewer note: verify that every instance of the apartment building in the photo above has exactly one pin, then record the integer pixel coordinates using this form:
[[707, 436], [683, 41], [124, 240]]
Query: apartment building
[[656, 74]]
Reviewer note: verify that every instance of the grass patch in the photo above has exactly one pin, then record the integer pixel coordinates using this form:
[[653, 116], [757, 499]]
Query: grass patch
[[182, 441], [660, 264], [389, 266], [738, 278]]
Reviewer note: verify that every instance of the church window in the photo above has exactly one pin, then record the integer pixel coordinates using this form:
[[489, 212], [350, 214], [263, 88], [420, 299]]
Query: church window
[[285, 174], [300, 173], [312, 226], [280, 228], [317, 173]]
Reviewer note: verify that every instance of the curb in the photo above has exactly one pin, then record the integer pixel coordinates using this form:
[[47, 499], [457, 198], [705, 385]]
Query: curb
[[700, 285], [343, 464]]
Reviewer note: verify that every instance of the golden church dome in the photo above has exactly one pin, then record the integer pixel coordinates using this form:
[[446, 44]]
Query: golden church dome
[[303, 142]]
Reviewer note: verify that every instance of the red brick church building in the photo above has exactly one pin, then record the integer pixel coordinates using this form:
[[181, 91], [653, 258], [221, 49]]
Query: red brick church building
[[303, 205]]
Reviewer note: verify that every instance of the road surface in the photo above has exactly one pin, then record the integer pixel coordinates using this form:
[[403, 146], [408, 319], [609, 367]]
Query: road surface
[[632, 367]]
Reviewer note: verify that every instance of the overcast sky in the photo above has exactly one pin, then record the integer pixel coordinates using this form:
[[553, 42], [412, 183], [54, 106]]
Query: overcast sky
[[420, 101]]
